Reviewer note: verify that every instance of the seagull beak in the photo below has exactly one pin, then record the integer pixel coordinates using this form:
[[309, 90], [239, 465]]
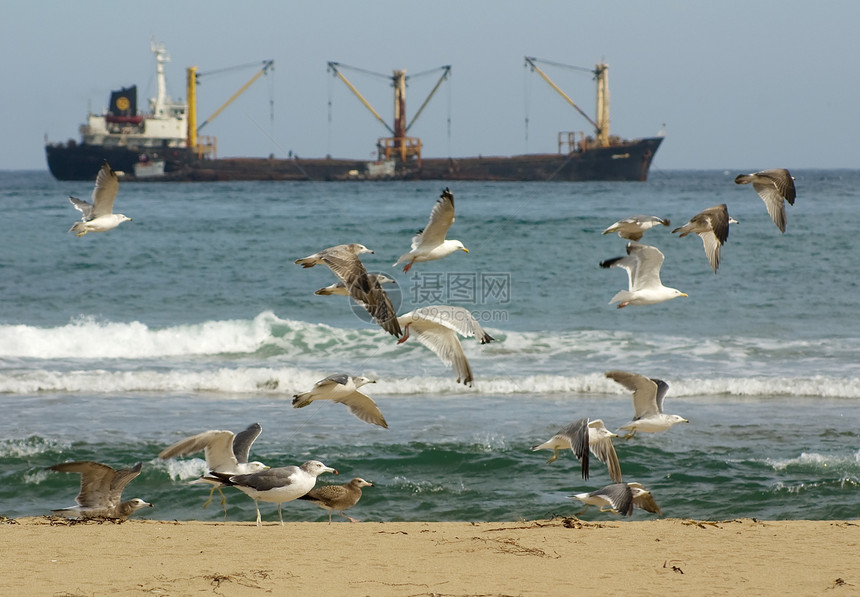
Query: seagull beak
[[465, 249], [683, 294]]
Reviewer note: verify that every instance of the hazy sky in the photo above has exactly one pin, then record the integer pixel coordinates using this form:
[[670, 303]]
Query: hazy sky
[[742, 85]]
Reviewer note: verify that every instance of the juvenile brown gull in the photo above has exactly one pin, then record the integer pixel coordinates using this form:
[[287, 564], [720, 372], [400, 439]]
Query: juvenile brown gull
[[101, 491], [436, 327], [366, 290], [712, 226], [343, 388], [98, 216], [648, 395], [634, 227], [775, 187], [430, 243], [224, 453], [584, 436], [337, 498], [620, 498], [277, 485], [642, 264]]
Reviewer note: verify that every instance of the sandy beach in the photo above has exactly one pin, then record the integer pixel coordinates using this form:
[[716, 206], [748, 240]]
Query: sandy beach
[[662, 557]]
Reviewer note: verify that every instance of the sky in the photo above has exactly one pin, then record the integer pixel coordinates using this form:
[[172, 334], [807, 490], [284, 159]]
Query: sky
[[743, 85]]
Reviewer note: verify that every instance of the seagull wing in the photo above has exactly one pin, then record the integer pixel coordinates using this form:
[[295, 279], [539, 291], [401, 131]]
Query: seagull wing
[[95, 482], [662, 388], [600, 443], [120, 479], [644, 392], [457, 319], [85, 207], [244, 440], [642, 498], [104, 192], [441, 218], [216, 444], [619, 496], [363, 407], [645, 271], [363, 288], [444, 342]]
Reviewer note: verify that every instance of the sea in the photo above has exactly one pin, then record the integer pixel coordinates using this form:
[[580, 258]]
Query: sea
[[194, 316]]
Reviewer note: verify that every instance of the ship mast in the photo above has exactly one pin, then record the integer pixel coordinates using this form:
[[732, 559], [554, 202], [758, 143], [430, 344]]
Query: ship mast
[[161, 58]]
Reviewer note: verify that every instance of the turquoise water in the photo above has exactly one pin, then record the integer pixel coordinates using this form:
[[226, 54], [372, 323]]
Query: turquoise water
[[193, 316]]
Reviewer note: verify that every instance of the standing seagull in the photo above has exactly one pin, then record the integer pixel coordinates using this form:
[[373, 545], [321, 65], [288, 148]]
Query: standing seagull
[[648, 397], [101, 491], [436, 327], [712, 226], [337, 498], [619, 498], [775, 187], [430, 243], [365, 289], [98, 216], [643, 264], [343, 388], [224, 453], [277, 485], [634, 227], [581, 437]]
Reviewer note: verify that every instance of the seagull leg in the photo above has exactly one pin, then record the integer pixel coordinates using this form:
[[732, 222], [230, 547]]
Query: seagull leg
[[259, 519], [349, 518], [554, 456], [280, 516], [408, 266], [405, 335]]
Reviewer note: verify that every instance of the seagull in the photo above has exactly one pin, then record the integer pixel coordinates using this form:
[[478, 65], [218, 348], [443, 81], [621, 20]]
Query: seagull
[[277, 485], [436, 327], [101, 491], [643, 264], [648, 397], [98, 216], [430, 243], [581, 436], [224, 453], [343, 388], [339, 288], [712, 226], [337, 498], [619, 498], [775, 187], [364, 289], [634, 227]]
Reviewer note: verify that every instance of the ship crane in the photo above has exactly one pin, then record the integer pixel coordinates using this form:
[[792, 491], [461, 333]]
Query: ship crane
[[601, 75], [399, 143], [206, 146]]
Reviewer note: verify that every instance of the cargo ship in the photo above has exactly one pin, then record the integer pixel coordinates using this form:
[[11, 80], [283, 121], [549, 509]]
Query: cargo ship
[[164, 144]]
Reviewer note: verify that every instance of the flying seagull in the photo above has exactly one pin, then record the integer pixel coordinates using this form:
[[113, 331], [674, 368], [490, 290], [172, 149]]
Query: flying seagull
[[712, 226], [581, 437], [343, 388], [430, 243], [344, 262], [775, 187], [619, 498], [436, 327], [98, 216], [648, 394], [276, 485], [339, 288], [224, 452], [634, 227], [643, 264], [101, 491], [337, 498]]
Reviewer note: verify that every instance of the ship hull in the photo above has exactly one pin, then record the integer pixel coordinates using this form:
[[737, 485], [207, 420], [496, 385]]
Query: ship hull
[[627, 161]]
